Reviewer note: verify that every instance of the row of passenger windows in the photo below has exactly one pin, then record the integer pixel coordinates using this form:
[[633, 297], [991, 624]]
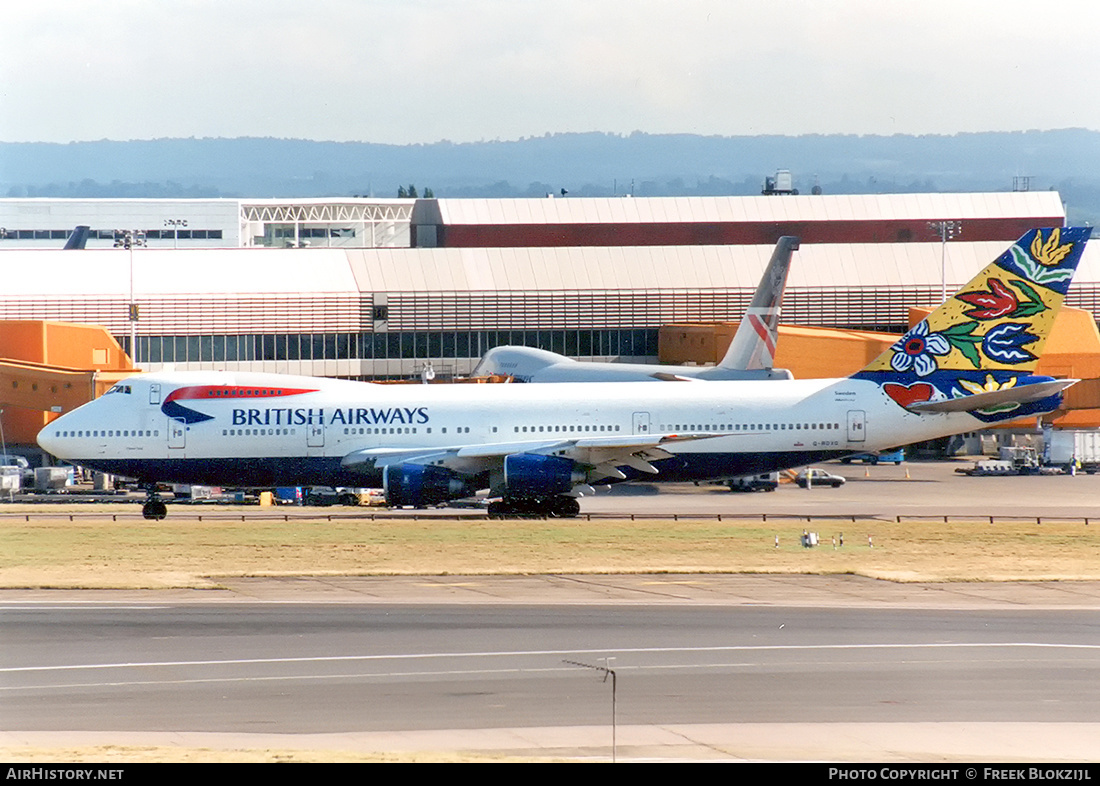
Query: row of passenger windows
[[725, 428], [456, 344], [404, 430], [110, 433], [559, 429], [251, 432], [735, 427]]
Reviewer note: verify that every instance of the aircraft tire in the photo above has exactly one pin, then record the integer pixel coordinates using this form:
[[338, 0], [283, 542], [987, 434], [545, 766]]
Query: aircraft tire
[[534, 508], [564, 507]]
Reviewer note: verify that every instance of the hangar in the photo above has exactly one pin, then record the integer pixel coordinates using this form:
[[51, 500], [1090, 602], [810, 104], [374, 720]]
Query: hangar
[[362, 222], [733, 220]]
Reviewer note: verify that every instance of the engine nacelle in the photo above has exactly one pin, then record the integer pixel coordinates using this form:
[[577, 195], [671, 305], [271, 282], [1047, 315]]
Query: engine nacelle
[[419, 485], [532, 475]]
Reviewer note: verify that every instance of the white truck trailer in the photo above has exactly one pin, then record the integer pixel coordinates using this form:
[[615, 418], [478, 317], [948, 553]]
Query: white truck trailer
[[1072, 449]]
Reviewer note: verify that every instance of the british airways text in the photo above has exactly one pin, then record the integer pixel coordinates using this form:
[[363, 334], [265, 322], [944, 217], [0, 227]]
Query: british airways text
[[351, 416]]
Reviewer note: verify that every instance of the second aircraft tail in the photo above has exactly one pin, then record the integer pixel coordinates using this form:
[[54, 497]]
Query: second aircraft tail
[[753, 345]]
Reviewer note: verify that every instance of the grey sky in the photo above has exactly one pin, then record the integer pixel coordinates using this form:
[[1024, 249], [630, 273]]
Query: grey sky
[[404, 71]]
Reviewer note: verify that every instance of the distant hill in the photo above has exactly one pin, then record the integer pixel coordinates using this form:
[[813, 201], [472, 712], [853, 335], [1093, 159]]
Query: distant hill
[[592, 164]]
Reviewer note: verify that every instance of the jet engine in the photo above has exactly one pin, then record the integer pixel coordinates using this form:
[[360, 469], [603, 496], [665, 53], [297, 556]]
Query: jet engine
[[532, 475], [419, 485]]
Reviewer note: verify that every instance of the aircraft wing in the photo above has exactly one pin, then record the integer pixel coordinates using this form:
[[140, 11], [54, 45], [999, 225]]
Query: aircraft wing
[[600, 456], [1024, 394]]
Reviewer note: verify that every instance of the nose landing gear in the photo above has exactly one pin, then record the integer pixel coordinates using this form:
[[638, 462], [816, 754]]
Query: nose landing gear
[[154, 509]]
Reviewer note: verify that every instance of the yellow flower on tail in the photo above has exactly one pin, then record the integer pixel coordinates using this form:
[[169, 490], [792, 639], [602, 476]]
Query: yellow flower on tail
[[1049, 253], [989, 386]]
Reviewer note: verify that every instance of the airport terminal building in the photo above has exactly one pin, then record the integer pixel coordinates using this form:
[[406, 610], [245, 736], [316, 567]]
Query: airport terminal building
[[406, 283], [209, 223]]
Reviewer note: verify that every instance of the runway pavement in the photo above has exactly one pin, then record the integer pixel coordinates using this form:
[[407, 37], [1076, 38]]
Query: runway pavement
[[790, 668]]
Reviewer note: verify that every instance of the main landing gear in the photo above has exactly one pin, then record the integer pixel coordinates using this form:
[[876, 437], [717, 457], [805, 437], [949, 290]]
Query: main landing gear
[[154, 509], [535, 507]]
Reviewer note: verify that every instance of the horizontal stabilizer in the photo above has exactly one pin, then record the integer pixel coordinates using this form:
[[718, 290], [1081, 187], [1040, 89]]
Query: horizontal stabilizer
[[1024, 394], [664, 376]]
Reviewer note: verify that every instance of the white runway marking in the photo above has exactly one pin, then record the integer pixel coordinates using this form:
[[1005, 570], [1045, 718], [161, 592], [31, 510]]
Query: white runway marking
[[543, 653]]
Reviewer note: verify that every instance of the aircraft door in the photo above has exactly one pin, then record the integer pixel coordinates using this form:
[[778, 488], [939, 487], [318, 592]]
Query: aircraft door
[[154, 393], [641, 423], [857, 425], [315, 435], [177, 433]]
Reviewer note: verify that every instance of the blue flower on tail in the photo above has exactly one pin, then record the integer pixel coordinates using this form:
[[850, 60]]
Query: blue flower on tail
[[1005, 343], [918, 349]]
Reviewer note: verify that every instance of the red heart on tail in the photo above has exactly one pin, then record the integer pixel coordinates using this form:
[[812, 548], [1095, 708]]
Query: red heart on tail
[[921, 391]]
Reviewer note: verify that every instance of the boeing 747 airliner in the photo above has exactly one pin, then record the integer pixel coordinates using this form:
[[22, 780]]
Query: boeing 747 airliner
[[536, 448]]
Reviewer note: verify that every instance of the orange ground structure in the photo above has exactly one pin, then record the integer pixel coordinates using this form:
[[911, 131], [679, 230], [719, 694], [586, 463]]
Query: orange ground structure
[[47, 368], [809, 353]]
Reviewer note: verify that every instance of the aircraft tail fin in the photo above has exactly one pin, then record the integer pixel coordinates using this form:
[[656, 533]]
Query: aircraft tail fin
[[753, 345], [987, 338], [78, 238]]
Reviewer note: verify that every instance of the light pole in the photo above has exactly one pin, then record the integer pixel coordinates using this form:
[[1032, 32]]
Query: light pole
[[945, 230], [607, 671], [128, 238]]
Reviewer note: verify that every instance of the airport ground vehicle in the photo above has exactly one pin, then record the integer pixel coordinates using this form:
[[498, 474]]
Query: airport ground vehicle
[[1072, 449], [767, 481], [814, 478], [895, 456], [22, 469], [1012, 460], [322, 496]]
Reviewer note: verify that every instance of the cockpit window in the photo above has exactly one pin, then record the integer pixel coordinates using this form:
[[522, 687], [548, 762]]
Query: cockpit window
[[119, 389]]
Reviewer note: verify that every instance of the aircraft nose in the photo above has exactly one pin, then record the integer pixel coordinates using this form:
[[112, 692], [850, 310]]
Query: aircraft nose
[[49, 438]]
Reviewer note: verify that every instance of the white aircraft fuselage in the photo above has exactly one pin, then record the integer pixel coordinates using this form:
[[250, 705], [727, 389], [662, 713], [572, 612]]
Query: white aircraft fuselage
[[275, 430]]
